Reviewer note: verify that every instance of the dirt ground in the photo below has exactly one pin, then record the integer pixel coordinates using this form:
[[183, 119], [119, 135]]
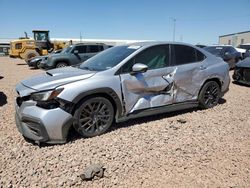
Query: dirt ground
[[210, 149]]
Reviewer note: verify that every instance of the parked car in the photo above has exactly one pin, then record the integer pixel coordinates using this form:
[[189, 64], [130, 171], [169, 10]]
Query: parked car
[[247, 54], [242, 71], [73, 55], [246, 47], [120, 83], [35, 61], [227, 53], [200, 45]]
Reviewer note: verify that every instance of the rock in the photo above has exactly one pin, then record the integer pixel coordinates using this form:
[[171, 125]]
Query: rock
[[92, 171], [181, 120]]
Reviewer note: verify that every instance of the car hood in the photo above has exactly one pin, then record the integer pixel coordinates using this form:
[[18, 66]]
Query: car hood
[[58, 55], [244, 63], [56, 77]]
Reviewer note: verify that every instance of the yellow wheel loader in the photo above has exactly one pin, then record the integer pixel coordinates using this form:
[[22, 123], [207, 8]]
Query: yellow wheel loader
[[26, 48]]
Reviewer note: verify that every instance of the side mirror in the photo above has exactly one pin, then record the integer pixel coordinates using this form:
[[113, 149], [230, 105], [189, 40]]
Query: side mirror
[[75, 52], [139, 68], [227, 56]]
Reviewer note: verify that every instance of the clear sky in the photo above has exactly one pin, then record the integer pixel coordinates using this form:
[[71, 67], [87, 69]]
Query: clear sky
[[197, 21]]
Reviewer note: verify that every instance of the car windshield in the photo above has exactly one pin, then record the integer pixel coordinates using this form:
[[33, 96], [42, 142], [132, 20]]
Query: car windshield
[[108, 58], [66, 50], [214, 50]]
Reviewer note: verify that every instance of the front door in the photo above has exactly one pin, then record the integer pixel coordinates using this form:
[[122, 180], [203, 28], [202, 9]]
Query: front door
[[80, 56], [152, 88]]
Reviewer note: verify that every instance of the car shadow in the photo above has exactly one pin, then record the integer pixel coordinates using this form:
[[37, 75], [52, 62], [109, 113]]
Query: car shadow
[[1, 77], [241, 84], [3, 99], [33, 68], [222, 101], [73, 135], [21, 64]]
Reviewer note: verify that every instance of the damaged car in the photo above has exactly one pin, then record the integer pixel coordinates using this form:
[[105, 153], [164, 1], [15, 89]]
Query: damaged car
[[35, 61], [226, 52], [120, 83], [242, 72]]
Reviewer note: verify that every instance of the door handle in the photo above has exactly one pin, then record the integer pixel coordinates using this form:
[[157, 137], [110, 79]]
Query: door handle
[[202, 67]]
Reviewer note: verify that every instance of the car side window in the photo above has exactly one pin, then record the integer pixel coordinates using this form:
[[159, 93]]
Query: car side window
[[154, 57], [199, 56], [93, 48], [101, 48], [182, 54], [81, 49]]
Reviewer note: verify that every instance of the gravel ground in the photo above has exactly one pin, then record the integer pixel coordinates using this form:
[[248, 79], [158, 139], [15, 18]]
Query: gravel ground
[[210, 149]]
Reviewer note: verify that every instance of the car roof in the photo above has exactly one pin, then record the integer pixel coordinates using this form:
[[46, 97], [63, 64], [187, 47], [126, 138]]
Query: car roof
[[80, 44], [220, 46], [152, 43]]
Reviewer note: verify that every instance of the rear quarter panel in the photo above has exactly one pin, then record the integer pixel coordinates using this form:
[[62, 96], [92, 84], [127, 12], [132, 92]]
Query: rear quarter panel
[[217, 68]]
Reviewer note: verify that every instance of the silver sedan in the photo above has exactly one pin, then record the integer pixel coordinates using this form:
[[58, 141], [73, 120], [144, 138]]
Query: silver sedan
[[120, 83]]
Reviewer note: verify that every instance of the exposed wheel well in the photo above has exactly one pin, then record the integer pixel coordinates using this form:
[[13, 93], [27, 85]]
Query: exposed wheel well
[[105, 95], [61, 61], [77, 105]]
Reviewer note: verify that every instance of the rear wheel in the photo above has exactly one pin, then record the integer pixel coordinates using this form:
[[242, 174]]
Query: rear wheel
[[94, 116], [209, 95], [61, 64], [30, 54]]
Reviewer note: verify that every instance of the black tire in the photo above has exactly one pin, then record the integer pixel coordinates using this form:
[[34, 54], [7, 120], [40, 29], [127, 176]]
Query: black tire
[[38, 64], [209, 95], [30, 54], [93, 117], [61, 64]]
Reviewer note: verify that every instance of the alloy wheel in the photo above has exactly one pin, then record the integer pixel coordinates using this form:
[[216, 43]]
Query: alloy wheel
[[95, 117]]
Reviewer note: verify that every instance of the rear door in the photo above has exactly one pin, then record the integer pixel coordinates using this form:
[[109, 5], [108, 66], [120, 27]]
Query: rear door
[[152, 88], [190, 72]]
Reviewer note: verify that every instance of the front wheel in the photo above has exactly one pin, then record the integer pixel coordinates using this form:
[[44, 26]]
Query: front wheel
[[61, 64], [94, 116], [209, 95], [37, 65]]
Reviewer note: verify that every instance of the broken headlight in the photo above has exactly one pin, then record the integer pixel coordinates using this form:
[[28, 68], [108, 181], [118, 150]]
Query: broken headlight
[[46, 95]]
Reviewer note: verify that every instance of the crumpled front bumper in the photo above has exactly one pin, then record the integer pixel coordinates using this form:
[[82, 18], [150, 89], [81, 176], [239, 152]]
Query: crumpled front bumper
[[45, 65], [42, 125], [242, 75]]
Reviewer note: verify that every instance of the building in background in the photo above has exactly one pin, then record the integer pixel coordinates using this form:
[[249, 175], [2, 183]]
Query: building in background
[[235, 39], [4, 49]]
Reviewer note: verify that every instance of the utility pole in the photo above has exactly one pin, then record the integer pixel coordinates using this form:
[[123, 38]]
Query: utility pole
[[80, 36], [174, 20]]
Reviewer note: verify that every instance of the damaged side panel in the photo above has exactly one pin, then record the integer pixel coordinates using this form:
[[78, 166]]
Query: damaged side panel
[[146, 90], [188, 80], [161, 86]]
